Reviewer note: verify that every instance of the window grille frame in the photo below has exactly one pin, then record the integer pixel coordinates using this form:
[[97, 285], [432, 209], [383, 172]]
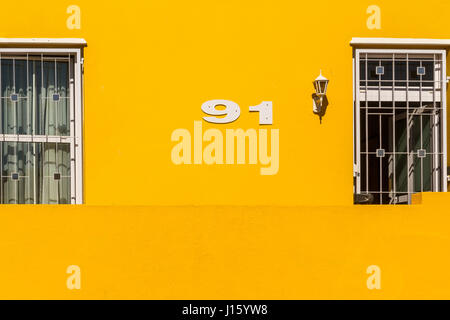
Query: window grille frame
[[76, 112], [437, 180]]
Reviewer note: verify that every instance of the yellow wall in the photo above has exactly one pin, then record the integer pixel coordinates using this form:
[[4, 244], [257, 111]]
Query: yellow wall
[[149, 67], [225, 253], [151, 64]]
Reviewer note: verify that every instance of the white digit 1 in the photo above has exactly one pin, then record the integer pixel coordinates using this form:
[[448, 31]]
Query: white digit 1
[[231, 111], [265, 112]]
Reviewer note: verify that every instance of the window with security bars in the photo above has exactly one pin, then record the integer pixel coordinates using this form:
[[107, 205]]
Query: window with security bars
[[400, 121], [40, 126]]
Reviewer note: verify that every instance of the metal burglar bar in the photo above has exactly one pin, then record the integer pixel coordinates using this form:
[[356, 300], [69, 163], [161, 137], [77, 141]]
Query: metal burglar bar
[[39, 160], [399, 124]]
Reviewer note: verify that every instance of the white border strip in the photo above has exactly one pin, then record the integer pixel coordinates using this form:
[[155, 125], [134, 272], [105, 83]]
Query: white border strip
[[399, 42], [44, 41]]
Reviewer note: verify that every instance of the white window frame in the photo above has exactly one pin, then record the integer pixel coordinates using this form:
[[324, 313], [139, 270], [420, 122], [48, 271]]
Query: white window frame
[[356, 102], [76, 103]]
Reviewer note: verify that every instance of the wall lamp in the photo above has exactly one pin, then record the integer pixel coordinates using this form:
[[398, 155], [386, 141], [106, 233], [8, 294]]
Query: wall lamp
[[320, 101]]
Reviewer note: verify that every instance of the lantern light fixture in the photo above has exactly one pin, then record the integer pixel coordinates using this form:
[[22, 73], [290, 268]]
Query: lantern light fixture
[[320, 100], [321, 84]]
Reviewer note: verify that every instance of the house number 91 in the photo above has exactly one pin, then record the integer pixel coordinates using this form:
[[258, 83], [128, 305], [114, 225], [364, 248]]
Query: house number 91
[[232, 111]]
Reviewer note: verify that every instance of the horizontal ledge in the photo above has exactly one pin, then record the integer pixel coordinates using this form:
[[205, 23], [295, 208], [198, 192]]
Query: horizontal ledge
[[399, 42], [43, 42]]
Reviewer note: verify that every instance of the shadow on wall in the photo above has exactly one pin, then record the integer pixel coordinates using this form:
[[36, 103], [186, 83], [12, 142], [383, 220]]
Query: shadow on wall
[[320, 104]]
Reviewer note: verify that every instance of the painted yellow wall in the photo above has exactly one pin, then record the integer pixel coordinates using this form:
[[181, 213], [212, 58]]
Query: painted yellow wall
[[151, 64], [225, 253], [149, 67]]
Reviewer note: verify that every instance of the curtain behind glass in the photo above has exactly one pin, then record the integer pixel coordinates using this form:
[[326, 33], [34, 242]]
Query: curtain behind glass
[[42, 89], [56, 159], [36, 165]]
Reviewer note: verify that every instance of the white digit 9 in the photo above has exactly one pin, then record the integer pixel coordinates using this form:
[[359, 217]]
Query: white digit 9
[[231, 111]]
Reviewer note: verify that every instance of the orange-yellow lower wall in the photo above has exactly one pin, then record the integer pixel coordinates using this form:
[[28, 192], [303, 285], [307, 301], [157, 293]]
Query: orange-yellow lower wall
[[225, 252]]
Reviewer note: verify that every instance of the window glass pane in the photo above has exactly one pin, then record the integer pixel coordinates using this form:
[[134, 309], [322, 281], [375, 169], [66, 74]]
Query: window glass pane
[[412, 73], [55, 159], [63, 159], [400, 73], [7, 78], [9, 166], [48, 105], [428, 78], [387, 76], [401, 176], [22, 119], [415, 133], [64, 190], [374, 173], [37, 93], [371, 73], [400, 131], [63, 103], [362, 72], [8, 110], [362, 124], [379, 133], [363, 175], [422, 169]]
